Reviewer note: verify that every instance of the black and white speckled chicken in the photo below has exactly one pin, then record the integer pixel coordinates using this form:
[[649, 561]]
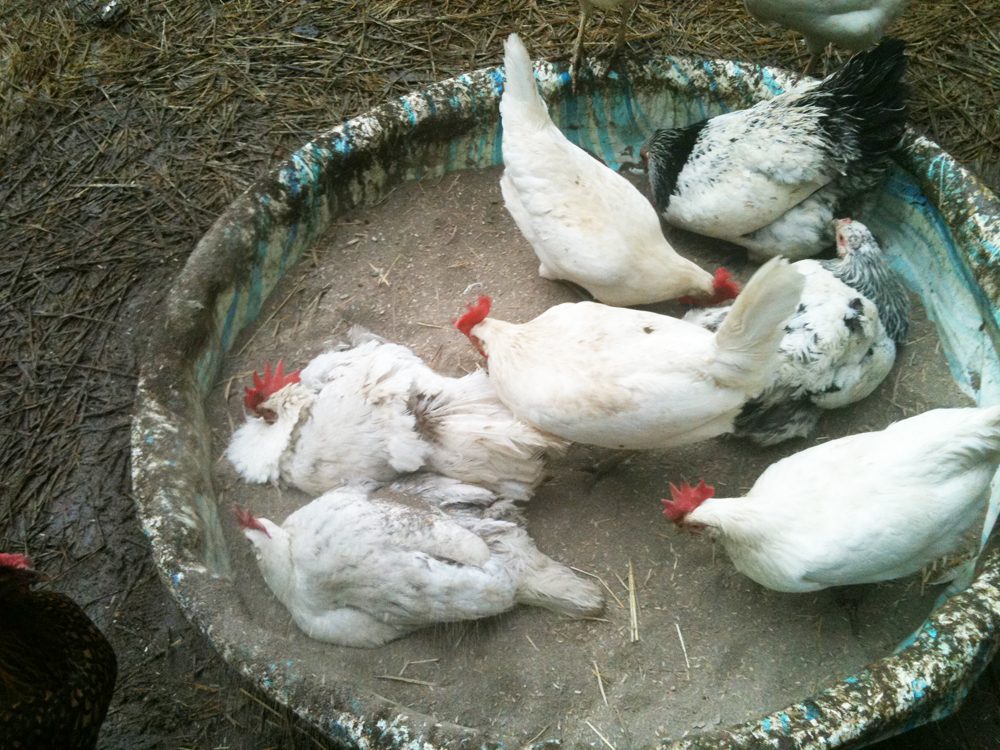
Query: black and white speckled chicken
[[360, 569], [838, 346], [57, 670], [374, 411], [773, 177]]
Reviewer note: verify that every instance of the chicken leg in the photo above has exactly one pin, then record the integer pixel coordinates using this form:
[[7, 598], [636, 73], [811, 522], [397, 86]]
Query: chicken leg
[[586, 9]]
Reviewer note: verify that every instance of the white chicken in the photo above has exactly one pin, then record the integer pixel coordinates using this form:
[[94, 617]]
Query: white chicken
[[376, 411], [853, 24], [622, 378], [361, 570], [585, 222], [861, 509], [773, 177], [838, 346]]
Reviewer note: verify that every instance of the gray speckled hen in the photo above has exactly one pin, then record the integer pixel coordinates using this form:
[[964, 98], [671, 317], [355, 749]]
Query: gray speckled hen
[[838, 346], [357, 569], [773, 177]]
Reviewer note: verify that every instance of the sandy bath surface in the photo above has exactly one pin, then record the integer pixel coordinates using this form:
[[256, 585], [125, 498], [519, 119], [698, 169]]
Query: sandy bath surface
[[713, 648]]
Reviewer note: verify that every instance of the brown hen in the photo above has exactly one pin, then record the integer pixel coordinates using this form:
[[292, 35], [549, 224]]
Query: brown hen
[[57, 670]]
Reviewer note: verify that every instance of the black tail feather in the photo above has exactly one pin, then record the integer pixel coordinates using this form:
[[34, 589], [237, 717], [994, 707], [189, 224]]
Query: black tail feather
[[778, 418], [866, 100]]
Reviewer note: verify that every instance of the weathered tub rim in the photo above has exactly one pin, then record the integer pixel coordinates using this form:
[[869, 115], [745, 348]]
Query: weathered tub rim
[[292, 204]]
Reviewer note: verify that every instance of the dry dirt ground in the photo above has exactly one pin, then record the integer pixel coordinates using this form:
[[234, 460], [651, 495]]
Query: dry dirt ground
[[403, 269], [120, 143]]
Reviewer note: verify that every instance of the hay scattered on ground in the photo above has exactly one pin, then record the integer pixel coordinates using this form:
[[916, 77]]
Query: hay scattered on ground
[[119, 145]]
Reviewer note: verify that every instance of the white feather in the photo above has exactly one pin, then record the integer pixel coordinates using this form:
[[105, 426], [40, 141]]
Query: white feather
[[375, 411], [585, 222], [863, 508], [634, 379], [357, 570], [853, 24]]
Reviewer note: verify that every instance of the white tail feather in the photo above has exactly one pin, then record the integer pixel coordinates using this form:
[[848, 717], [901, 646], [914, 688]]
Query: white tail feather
[[521, 102], [747, 340], [475, 438], [553, 586]]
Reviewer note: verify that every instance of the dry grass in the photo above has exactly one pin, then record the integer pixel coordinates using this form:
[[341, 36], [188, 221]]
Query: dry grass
[[119, 145]]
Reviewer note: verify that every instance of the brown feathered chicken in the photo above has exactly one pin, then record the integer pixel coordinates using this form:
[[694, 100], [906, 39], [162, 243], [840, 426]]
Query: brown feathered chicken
[[57, 670]]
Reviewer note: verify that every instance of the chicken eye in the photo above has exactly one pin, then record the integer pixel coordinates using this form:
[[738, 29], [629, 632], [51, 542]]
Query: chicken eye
[[268, 415]]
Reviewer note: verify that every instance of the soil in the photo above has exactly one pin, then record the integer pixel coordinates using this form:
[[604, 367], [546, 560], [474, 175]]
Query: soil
[[713, 646]]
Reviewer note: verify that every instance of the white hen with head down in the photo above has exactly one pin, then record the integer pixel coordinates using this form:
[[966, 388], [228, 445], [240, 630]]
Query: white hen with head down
[[624, 378], [861, 509], [586, 223], [360, 570], [375, 411]]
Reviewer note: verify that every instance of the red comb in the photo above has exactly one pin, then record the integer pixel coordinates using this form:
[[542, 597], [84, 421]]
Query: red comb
[[14, 561], [473, 316], [685, 499], [248, 520], [724, 285], [264, 387]]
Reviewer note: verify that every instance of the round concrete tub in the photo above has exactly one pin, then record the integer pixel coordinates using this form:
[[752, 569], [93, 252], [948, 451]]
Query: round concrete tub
[[947, 222]]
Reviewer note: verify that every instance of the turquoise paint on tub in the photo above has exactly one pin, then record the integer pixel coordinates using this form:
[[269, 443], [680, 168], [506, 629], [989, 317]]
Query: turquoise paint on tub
[[601, 128], [767, 78], [288, 248], [919, 687], [497, 77], [341, 144], [411, 116], [686, 79]]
